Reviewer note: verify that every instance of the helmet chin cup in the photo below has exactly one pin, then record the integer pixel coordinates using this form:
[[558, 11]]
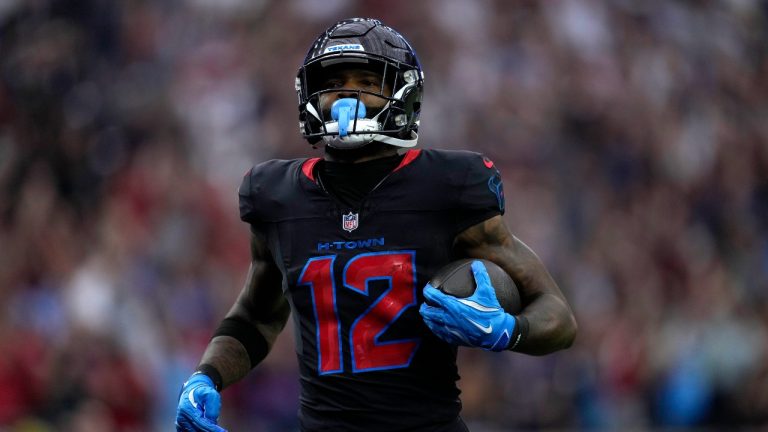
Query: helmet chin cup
[[349, 142], [354, 136], [340, 111]]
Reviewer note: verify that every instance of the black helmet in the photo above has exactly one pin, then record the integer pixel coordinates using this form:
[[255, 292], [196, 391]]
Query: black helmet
[[362, 43]]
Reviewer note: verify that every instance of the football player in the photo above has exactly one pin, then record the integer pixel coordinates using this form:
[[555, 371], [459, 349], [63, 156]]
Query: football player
[[345, 245]]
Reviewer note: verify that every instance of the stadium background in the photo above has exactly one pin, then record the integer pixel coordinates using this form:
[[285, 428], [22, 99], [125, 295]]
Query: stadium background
[[633, 139]]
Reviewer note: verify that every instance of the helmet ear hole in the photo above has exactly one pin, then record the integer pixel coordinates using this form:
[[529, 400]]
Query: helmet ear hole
[[412, 102]]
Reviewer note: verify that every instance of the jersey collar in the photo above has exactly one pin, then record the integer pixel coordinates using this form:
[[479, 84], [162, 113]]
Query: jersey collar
[[308, 167]]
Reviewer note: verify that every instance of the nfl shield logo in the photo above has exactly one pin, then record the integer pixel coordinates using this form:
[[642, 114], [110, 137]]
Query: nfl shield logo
[[349, 221]]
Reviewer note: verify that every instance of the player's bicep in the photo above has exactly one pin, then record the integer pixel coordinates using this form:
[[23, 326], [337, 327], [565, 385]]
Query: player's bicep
[[261, 302], [492, 240]]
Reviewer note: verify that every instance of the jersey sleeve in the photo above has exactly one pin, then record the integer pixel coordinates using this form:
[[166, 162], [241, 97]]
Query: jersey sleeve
[[264, 194], [246, 198], [249, 197], [482, 194]]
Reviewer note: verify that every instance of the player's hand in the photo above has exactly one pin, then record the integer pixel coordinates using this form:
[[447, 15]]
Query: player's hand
[[475, 321], [199, 406]]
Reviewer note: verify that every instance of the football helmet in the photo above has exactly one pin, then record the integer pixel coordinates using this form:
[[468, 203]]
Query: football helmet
[[361, 43]]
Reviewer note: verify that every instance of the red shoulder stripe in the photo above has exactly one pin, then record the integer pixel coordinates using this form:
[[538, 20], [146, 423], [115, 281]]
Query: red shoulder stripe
[[308, 167], [410, 156]]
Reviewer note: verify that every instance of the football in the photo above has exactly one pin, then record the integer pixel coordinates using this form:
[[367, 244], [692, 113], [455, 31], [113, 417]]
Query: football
[[457, 280]]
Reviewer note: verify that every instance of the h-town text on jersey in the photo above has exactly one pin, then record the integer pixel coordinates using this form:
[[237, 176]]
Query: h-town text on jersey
[[352, 244]]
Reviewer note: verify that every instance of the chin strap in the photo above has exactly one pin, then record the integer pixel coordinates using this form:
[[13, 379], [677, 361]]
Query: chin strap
[[357, 141], [397, 141]]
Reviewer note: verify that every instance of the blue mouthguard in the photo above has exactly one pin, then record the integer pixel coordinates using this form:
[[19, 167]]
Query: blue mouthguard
[[340, 111]]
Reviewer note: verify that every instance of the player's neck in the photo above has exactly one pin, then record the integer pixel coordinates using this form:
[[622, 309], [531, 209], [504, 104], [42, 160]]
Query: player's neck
[[366, 153]]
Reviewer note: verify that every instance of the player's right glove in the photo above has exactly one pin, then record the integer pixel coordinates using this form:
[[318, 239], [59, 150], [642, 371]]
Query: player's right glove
[[476, 321], [199, 405]]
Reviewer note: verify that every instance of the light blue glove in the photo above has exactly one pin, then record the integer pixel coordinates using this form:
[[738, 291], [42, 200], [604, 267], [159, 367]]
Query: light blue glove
[[476, 321], [199, 405]]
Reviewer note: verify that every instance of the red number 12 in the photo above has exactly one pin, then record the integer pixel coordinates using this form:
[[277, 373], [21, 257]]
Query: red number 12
[[368, 354]]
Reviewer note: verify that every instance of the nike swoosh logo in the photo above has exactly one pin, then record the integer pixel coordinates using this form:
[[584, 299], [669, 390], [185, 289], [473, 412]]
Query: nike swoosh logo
[[477, 306], [486, 330]]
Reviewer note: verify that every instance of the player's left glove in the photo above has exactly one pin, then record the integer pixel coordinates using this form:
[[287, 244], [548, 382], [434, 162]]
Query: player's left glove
[[199, 405], [475, 321]]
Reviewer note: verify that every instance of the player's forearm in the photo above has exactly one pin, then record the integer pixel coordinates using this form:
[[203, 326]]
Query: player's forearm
[[550, 322], [241, 341], [551, 326], [229, 357], [247, 333]]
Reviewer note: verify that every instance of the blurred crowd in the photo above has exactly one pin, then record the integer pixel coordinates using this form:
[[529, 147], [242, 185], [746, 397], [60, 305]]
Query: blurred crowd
[[632, 137]]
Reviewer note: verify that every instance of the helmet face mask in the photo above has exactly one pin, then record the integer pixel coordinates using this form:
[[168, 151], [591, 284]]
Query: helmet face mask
[[361, 44]]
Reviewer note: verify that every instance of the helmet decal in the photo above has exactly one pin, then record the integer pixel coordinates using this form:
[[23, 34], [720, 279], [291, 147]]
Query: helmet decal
[[344, 47]]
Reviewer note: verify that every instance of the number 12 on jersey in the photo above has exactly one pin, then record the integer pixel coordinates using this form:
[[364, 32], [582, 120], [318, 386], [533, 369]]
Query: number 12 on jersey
[[368, 354]]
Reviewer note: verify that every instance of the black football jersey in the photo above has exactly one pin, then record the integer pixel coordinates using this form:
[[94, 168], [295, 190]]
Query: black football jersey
[[354, 279]]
